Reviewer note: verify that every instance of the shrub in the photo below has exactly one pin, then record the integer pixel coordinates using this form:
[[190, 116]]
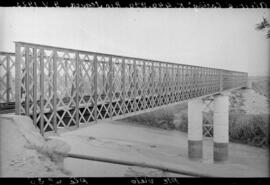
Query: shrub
[[183, 123]]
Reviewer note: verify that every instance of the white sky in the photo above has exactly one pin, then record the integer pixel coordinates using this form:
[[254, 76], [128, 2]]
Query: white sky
[[222, 38]]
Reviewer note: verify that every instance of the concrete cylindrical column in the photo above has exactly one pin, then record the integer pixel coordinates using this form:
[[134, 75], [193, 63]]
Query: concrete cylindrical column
[[195, 120], [221, 128]]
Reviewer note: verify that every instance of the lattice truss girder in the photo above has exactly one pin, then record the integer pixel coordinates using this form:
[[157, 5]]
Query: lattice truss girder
[[63, 87], [7, 77]]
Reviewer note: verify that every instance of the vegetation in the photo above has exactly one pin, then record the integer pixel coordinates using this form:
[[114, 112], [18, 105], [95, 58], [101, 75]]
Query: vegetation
[[162, 118], [264, 25], [243, 128], [249, 129]]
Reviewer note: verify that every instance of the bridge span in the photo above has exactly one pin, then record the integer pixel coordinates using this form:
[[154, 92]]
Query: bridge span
[[60, 87]]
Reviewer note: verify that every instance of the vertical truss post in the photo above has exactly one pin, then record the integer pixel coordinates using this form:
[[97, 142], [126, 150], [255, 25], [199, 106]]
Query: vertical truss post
[[123, 86], [42, 91], [181, 85], [143, 88], [191, 82], [185, 85], [159, 85], [210, 81], [195, 81], [8, 78], [204, 82], [201, 81], [95, 88], [172, 85], [128, 80], [197, 75], [110, 87], [66, 69], [114, 87], [220, 80], [103, 75], [134, 86], [35, 86], [173, 90], [169, 80], [197, 72], [27, 81], [54, 90], [179, 78], [18, 80], [186, 82], [50, 75], [152, 94], [213, 80], [77, 81], [176, 76], [167, 84]]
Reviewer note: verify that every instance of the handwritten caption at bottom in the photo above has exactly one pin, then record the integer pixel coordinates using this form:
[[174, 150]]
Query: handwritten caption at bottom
[[149, 180]]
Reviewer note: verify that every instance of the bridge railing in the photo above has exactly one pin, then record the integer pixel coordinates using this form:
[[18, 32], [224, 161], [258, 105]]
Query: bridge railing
[[7, 78], [61, 87]]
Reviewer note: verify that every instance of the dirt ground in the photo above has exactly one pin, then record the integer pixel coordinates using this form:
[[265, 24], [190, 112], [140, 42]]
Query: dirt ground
[[18, 155], [122, 140]]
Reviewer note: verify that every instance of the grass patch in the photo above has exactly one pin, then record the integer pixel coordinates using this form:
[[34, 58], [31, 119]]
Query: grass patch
[[249, 129], [162, 118], [262, 87]]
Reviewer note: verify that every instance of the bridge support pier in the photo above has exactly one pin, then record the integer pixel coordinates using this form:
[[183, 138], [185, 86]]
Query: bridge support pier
[[221, 128], [195, 120]]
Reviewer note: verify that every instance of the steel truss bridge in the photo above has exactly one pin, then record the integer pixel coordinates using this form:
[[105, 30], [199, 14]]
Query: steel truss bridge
[[60, 87]]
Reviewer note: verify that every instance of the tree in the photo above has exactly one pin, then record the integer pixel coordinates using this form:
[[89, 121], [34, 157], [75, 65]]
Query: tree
[[264, 25]]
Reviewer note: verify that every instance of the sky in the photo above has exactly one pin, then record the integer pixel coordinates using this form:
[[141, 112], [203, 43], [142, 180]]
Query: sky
[[220, 38]]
